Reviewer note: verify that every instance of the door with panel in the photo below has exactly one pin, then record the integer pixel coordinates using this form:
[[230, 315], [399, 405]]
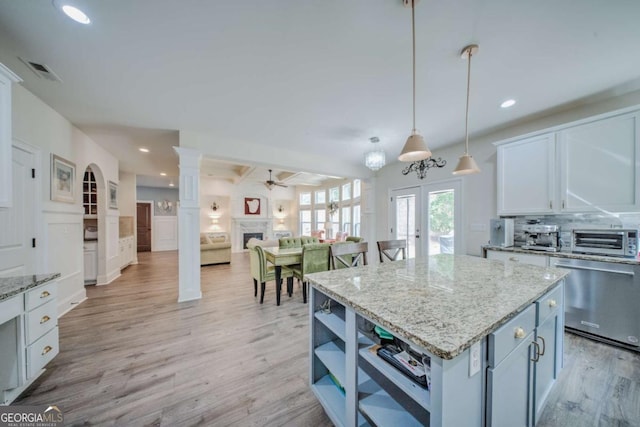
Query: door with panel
[[406, 219], [17, 223], [143, 226]]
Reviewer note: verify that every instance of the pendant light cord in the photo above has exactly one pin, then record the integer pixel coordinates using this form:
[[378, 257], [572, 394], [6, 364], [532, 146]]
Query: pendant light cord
[[466, 112], [413, 34]]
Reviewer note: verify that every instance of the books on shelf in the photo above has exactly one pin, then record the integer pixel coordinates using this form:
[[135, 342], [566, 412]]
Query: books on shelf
[[418, 370]]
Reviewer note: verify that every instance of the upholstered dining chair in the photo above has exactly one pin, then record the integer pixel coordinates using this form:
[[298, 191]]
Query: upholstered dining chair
[[354, 239], [261, 272], [392, 250], [315, 258], [344, 255]]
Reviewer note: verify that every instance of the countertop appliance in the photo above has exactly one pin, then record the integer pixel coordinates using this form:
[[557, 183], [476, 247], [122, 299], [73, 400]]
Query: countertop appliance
[[541, 237], [611, 242], [601, 300], [501, 232]]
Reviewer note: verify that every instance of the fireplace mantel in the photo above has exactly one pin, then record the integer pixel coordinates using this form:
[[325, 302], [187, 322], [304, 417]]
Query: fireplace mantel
[[241, 225]]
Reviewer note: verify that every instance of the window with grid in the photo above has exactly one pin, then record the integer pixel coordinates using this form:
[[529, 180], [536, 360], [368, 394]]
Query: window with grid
[[346, 219], [356, 220], [305, 222]]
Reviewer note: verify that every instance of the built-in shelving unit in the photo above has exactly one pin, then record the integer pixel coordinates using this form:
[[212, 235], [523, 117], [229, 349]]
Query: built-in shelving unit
[[89, 194]]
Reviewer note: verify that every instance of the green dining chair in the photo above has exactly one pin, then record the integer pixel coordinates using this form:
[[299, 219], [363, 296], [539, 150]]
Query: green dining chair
[[263, 273], [315, 258]]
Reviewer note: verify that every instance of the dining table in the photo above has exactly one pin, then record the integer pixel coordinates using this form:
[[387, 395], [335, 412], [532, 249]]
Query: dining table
[[280, 257]]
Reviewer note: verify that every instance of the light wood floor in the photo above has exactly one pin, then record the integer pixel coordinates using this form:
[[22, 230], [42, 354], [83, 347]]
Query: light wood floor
[[132, 356]]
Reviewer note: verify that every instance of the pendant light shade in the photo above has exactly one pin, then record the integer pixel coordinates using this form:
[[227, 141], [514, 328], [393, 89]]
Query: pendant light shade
[[466, 164], [415, 149], [374, 159]]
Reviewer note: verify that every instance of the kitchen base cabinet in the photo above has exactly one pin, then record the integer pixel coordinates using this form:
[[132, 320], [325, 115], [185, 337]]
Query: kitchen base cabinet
[[90, 262], [379, 394], [518, 365], [28, 338]]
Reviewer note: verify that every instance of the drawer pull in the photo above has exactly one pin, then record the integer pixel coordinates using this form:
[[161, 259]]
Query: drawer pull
[[46, 350], [519, 333], [514, 259], [552, 303], [44, 294], [44, 319]]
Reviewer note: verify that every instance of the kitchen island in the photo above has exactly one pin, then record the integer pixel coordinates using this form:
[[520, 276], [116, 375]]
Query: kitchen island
[[491, 332]]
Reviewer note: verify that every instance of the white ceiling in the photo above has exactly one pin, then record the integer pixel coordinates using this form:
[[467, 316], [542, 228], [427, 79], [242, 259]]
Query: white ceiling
[[315, 76]]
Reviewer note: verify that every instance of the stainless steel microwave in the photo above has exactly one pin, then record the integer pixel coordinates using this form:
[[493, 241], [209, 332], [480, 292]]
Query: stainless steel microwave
[[611, 242]]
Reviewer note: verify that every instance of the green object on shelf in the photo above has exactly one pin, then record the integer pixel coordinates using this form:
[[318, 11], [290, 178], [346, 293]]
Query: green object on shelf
[[382, 333], [337, 383]]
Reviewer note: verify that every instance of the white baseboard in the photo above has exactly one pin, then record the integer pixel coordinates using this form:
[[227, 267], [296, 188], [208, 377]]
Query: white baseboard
[[71, 302]]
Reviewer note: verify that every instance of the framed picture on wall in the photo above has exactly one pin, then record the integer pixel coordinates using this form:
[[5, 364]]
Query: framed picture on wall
[[63, 178], [251, 206], [113, 195]]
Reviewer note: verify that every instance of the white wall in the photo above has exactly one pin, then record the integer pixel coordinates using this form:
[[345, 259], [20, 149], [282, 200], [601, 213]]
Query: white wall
[[479, 191], [60, 225]]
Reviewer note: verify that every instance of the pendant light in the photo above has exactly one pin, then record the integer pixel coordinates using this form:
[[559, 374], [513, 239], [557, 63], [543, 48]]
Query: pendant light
[[415, 148], [466, 164], [374, 159]]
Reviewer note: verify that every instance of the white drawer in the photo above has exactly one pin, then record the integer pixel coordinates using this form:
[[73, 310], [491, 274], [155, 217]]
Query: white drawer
[[40, 295], [41, 320], [539, 260], [509, 335], [10, 308], [549, 303], [41, 352]]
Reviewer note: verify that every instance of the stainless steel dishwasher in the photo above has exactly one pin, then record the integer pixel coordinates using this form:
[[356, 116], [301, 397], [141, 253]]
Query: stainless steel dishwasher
[[602, 299]]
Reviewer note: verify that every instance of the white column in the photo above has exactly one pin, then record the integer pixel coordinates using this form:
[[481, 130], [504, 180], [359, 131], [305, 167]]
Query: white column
[[189, 225]]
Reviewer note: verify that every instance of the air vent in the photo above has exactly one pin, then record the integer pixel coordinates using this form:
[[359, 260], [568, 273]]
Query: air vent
[[41, 70]]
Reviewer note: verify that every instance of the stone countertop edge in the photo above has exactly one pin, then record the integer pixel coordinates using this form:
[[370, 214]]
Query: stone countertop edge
[[412, 338], [569, 255], [11, 286]]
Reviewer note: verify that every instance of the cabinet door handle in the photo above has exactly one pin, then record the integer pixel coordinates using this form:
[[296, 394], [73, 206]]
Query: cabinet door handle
[[544, 345], [519, 333], [46, 350], [536, 351], [550, 204], [44, 319], [44, 294], [563, 204]]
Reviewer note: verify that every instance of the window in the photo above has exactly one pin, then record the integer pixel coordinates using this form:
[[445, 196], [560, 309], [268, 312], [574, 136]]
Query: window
[[321, 197], [346, 219], [320, 219], [305, 222], [334, 194], [335, 225], [356, 188], [356, 220], [305, 199], [346, 191]]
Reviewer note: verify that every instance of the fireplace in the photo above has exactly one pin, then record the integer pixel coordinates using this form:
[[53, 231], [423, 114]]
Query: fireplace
[[242, 229], [248, 236]]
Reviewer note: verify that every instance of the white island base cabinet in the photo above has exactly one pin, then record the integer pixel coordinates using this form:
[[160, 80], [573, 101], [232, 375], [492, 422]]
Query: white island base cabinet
[[518, 365], [358, 388]]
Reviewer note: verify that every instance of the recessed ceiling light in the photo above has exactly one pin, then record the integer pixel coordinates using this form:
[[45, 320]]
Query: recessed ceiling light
[[163, 174], [508, 103], [171, 184], [144, 150], [72, 11]]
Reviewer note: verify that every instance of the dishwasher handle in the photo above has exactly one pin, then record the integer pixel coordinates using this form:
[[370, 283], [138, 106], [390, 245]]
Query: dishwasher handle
[[604, 270]]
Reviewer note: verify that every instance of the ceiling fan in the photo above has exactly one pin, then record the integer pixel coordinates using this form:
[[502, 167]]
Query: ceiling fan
[[270, 183]]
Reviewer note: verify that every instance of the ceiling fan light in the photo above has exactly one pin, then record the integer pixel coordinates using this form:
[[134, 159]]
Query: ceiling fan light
[[466, 165], [414, 149]]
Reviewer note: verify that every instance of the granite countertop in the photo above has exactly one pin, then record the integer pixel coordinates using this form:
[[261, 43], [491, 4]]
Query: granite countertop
[[10, 286], [443, 303], [601, 258]]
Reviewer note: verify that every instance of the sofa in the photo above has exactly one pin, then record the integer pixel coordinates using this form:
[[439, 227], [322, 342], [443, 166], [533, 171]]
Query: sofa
[[215, 248], [297, 242]]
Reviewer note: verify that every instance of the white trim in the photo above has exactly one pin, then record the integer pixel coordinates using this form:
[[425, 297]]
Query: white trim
[[71, 302]]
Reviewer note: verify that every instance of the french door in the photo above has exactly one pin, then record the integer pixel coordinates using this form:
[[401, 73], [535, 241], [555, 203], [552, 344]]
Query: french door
[[406, 218], [435, 208]]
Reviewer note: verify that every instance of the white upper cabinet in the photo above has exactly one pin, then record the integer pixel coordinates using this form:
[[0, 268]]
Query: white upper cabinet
[[7, 78], [585, 167], [600, 165], [526, 176]]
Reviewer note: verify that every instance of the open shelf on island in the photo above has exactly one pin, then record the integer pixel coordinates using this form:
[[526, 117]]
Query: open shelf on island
[[333, 401], [383, 410], [333, 322], [418, 393]]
